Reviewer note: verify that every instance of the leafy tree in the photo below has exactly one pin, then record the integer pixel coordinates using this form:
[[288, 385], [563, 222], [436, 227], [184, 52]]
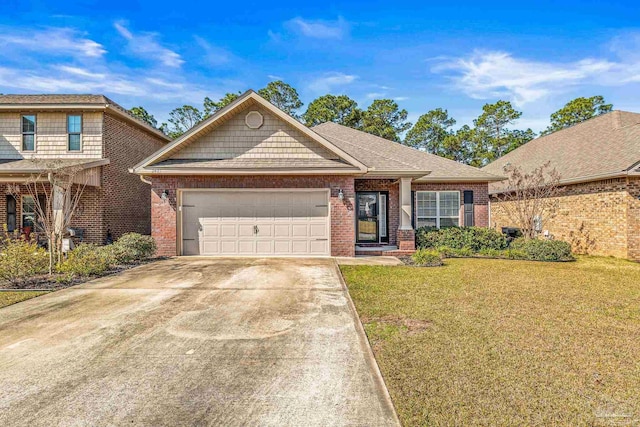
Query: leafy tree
[[577, 111], [385, 119], [144, 115], [211, 107], [331, 108], [431, 131], [282, 96], [181, 119], [492, 137]]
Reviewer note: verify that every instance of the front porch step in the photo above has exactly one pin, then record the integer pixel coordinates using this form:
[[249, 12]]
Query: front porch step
[[381, 251]]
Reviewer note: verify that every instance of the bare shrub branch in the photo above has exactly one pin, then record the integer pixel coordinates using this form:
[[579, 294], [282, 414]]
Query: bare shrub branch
[[530, 197]]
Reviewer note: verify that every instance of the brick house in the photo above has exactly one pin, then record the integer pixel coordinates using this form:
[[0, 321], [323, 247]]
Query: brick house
[[599, 166], [251, 180], [90, 133]]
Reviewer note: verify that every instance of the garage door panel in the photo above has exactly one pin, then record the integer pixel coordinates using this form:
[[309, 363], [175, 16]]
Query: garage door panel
[[246, 247], [317, 230], [282, 247], [245, 230], [318, 247], [282, 230], [228, 230], [300, 230], [300, 247], [211, 246], [223, 223]]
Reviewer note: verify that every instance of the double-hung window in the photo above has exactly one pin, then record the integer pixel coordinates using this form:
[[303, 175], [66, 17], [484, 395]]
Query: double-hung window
[[74, 130], [29, 132], [438, 208], [28, 211]]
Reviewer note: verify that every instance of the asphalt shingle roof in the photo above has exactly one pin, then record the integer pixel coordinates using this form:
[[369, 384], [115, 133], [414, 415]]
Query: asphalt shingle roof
[[384, 155], [603, 145]]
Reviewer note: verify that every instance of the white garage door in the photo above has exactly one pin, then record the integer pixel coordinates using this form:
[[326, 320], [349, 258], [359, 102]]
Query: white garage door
[[255, 223]]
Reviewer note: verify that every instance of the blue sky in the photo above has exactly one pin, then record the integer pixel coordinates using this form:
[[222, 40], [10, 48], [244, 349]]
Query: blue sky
[[454, 55]]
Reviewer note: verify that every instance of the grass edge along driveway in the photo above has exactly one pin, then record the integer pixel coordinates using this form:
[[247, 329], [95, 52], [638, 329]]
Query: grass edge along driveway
[[11, 297], [499, 342]]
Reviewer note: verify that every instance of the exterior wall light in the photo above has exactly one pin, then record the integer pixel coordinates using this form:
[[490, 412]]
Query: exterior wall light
[[165, 195], [340, 194]]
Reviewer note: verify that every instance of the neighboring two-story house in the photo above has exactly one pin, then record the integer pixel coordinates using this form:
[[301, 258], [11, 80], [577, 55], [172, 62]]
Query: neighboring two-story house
[[90, 133]]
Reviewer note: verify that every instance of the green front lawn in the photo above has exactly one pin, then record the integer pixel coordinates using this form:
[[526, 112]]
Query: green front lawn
[[11, 297], [498, 342]]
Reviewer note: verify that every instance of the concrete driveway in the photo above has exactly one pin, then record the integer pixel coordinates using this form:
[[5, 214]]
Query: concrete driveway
[[187, 341]]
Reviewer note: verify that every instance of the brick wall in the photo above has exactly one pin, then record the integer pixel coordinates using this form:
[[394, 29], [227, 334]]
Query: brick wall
[[88, 215], [127, 205], [164, 219], [594, 217], [480, 198], [633, 218]]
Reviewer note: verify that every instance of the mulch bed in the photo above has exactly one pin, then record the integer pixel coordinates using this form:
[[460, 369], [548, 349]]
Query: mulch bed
[[60, 281]]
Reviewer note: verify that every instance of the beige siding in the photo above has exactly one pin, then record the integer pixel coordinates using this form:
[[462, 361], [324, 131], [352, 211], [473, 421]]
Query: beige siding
[[51, 136], [274, 140]]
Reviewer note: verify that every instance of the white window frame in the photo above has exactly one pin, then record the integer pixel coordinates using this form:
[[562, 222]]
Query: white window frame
[[438, 216], [79, 150], [23, 133], [23, 214]]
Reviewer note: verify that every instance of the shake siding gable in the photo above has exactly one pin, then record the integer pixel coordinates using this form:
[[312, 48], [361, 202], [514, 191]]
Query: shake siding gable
[[275, 139], [51, 136]]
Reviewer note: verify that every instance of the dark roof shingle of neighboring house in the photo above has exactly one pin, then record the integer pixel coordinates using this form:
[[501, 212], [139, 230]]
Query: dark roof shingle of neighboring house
[[72, 100], [383, 155], [601, 147]]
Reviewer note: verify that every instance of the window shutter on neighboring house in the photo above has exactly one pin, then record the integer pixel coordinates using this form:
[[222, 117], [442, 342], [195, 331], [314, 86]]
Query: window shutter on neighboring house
[[468, 208]]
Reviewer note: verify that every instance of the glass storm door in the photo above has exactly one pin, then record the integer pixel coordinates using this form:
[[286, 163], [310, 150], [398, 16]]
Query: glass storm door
[[372, 217]]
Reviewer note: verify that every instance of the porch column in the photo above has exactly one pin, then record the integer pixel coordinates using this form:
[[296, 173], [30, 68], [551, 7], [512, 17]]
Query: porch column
[[406, 235]]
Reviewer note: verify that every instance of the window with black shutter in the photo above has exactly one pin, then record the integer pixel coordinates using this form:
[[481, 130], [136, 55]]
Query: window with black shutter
[[11, 213]]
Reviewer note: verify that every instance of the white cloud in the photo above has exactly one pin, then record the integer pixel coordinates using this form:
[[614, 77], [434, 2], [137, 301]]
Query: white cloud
[[494, 74], [213, 55], [329, 81], [400, 98], [374, 95], [146, 46], [319, 29], [50, 41], [274, 77]]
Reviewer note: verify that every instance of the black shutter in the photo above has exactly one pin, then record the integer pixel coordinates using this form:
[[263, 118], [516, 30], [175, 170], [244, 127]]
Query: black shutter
[[11, 213], [468, 208]]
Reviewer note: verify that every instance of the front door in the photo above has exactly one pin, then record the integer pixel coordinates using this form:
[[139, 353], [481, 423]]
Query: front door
[[371, 226]]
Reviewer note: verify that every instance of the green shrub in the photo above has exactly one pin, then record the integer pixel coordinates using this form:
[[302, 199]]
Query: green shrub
[[132, 247], [493, 253], [472, 238], [427, 258], [86, 260], [21, 259], [448, 252], [542, 250]]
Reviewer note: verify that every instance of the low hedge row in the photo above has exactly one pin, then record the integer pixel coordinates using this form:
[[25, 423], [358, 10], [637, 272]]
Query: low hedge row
[[89, 260], [473, 238], [487, 242]]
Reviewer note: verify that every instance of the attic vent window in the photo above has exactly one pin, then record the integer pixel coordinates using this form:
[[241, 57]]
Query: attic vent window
[[253, 120]]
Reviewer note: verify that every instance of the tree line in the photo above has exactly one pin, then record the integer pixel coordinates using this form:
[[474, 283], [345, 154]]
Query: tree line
[[491, 136]]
